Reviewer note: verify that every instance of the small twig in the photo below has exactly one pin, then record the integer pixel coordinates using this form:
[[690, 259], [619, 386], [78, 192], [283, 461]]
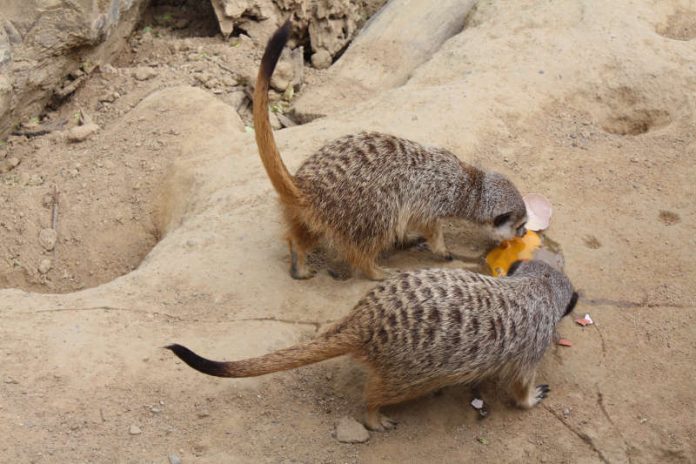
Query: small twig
[[54, 210], [39, 131], [32, 132]]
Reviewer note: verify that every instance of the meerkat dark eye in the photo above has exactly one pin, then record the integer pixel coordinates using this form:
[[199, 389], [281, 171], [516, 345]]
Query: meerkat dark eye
[[501, 219], [571, 305], [513, 267]]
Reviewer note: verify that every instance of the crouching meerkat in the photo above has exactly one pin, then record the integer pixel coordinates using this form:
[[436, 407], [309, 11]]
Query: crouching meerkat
[[422, 330], [362, 193]]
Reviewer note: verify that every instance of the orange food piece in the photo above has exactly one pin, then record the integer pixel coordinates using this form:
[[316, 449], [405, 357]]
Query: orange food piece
[[583, 322], [519, 248], [564, 342]]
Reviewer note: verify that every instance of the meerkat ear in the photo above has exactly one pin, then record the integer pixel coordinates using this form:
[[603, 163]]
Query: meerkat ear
[[571, 305], [501, 219]]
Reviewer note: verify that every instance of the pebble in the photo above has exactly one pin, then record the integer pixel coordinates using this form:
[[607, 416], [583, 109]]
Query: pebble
[[134, 430], [35, 180], [348, 430], [143, 73], [109, 97], [321, 59], [282, 76], [8, 164], [47, 238], [107, 69], [81, 133], [174, 459], [275, 122], [45, 265]]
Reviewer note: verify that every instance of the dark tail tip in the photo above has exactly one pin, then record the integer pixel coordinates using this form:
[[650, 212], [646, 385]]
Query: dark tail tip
[[274, 48], [206, 366]]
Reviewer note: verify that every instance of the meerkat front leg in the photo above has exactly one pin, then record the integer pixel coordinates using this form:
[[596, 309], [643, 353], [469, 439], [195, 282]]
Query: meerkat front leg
[[526, 394], [300, 242]]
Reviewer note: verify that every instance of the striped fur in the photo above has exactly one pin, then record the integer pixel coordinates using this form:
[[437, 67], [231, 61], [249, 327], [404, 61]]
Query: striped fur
[[425, 329]]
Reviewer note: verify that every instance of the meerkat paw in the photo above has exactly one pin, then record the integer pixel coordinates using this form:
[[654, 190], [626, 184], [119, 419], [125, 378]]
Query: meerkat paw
[[536, 395], [301, 274], [340, 272], [378, 274], [541, 392], [380, 423]]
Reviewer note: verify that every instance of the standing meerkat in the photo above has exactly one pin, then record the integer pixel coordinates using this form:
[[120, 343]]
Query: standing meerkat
[[426, 329], [362, 193]]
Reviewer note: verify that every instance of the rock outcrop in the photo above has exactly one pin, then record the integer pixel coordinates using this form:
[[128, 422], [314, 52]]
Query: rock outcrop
[[43, 42]]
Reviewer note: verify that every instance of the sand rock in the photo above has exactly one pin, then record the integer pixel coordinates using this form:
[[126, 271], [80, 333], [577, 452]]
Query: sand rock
[[143, 73], [81, 133], [329, 24], [282, 76], [348, 430], [48, 238], [134, 430], [365, 68], [45, 265], [321, 59], [8, 164], [62, 34]]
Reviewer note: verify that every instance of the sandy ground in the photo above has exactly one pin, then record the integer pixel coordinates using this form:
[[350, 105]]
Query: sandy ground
[[168, 230]]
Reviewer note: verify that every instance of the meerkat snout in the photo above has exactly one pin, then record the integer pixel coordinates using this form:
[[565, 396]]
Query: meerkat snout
[[502, 207]]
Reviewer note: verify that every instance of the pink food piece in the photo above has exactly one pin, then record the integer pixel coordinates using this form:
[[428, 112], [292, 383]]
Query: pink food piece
[[538, 211], [583, 322], [564, 342]]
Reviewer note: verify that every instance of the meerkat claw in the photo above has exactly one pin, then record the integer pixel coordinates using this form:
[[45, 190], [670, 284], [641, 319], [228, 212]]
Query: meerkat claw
[[380, 423], [295, 274]]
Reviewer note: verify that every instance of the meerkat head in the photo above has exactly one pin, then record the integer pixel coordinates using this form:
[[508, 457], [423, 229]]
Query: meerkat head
[[501, 207], [562, 291]]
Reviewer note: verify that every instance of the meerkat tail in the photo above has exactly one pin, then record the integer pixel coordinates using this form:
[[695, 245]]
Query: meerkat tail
[[319, 349], [268, 150]]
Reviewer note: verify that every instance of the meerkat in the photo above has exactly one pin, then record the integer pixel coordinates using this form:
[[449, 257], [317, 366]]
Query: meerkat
[[362, 193], [426, 329]]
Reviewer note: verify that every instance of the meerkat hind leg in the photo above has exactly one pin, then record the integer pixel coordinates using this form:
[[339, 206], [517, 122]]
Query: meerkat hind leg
[[436, 240], [366, 263], [379, 393], [301, 241], [526, 394]]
